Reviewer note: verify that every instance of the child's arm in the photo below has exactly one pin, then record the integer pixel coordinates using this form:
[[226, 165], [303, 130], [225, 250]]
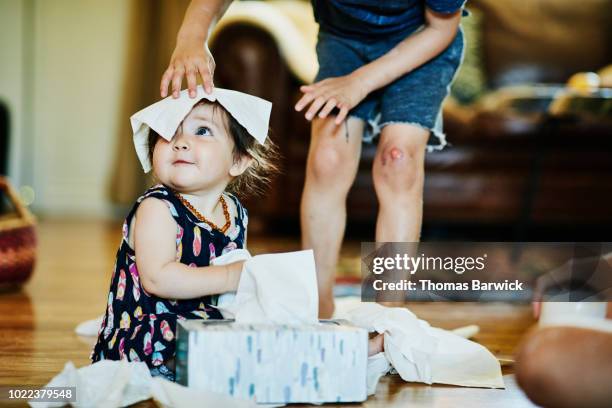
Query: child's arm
[[346, 92], [191, 55], [160, 273]]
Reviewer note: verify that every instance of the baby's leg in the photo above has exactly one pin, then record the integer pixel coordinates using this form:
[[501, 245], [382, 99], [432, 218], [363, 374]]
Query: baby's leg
[[566, 367], [330, 170]]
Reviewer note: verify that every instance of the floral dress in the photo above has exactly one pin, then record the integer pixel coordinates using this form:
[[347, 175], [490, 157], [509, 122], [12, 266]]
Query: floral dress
[[139, 326]]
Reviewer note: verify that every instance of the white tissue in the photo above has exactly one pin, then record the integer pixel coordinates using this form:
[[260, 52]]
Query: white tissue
[[166, 115], [378, 366], [276, 288], [119, 383], [236, 255], [421, 353], [467, 332], [89, 327], [174, 395], [403, 331]]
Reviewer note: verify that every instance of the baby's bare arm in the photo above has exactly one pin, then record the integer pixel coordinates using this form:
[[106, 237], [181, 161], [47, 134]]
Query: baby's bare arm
[[414, 51], [160, 273]]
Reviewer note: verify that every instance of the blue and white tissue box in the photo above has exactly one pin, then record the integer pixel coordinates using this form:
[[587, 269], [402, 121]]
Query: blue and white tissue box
[[274, 364]]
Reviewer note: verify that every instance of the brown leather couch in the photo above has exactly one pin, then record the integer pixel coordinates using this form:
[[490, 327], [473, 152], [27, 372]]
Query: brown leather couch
[[510, 163]]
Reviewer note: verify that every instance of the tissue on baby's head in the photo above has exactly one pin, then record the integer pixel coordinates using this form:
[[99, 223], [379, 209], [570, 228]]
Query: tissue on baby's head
[[165, 116]]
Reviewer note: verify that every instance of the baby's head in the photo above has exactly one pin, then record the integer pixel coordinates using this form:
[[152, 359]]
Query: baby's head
[[211, 151]]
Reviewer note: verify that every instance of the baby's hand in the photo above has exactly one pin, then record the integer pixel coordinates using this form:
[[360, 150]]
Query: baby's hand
[[343, 92], [189, 59]]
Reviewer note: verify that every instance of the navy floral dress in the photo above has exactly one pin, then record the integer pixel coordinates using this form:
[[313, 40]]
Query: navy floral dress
[[139, 326]]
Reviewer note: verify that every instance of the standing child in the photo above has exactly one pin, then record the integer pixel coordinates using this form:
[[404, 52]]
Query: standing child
[[162, 272], [384, 69]]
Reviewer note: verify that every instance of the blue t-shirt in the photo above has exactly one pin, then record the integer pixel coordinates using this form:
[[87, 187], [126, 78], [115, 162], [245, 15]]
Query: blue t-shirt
[[372, 19]]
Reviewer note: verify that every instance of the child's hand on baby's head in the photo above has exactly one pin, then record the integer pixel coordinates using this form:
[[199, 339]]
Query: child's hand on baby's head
[[189, 59]]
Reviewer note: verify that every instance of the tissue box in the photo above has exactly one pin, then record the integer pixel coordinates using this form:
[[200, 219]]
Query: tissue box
[[271, 363]]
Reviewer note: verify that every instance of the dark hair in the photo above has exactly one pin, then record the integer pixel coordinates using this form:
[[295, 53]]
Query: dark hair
[[256, 177]]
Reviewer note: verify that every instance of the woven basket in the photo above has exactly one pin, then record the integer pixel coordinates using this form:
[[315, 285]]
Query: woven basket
[[17, 241]]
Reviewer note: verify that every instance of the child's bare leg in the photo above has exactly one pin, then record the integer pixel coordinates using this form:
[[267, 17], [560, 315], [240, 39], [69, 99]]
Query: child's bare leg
[[330, 171], [398, 173]]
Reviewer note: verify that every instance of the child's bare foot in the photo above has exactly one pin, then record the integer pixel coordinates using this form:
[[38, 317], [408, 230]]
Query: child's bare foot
[[376, 344]]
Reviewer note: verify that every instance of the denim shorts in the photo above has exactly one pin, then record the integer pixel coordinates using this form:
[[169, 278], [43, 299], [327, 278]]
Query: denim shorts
[[415, 98]]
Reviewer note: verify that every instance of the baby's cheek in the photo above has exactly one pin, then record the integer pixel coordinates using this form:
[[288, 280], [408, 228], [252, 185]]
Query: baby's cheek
[[156, 162], [160, 162], [215, 164]]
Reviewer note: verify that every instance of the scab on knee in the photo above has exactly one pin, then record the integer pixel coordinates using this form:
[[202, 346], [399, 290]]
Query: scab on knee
[[398, 168], [392, 155], [396, 153]]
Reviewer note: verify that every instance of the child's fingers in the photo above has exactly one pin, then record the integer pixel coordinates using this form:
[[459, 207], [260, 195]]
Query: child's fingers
[[207, 80], [342, 115], [304, 101], [327, 108], [191, 81], [211, 64], [314, 108], [177, 79], [165, 81]]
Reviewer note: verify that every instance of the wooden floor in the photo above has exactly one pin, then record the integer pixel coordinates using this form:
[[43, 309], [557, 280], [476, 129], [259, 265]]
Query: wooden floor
[[70, 285]]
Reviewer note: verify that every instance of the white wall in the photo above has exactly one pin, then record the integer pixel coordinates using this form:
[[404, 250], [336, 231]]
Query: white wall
[[12, 55], [70, 98]]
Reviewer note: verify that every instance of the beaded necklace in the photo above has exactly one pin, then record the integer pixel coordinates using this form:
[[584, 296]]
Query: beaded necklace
[[201, 218]]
